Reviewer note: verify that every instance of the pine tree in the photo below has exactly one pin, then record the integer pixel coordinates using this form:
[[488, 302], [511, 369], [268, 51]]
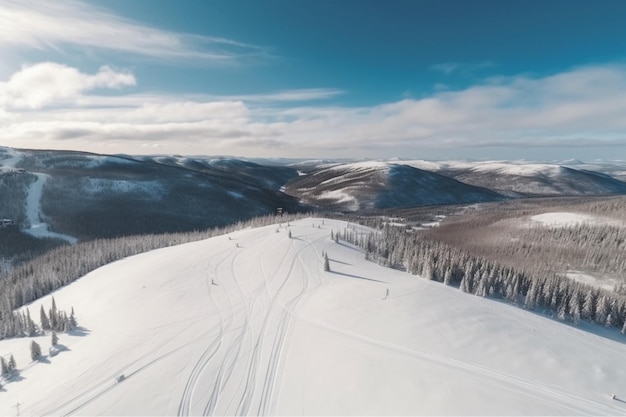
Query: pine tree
[[447, 277], [531, 296], [54, 314], [464, 284], [602, 310], [4, 367], [45, 323], [574, 307], [589, 306], [35, 350], [72, 322], [289, 234], [31, 328], [624, 328], [326, 263], [55, 339], [12, 364]]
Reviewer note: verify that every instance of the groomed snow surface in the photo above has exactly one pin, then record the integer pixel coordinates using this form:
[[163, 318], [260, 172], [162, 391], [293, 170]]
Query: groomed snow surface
[[250, 323]]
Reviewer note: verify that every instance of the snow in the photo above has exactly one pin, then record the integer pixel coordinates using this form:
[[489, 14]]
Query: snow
[[603, 283], [359, 166], [236, 195], [522, 169], [11, 158], [278, 335], [33, 199], [562, 219], [567, 219], [340, 196], [98, 161]]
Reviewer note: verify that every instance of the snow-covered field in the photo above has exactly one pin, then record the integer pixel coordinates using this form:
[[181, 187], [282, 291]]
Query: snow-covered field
[[566, 219], [250, 323], [604, 283]]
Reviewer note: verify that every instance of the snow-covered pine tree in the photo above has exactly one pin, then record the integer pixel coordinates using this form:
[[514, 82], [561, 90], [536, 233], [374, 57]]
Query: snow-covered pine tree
[[602, 310], [574, 307], [589, 306], [72, 321], [531, 296], [31, 328], [53, 314], [54, 339], [447, 276], [326, 263], [4, 367], [35, 350], [45, 323], [12, 364]]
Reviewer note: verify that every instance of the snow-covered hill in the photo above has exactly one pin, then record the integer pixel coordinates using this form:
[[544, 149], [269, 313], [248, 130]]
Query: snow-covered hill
[[271, 176], [527, 179], [250, 323], [381, 185], [83, 195]]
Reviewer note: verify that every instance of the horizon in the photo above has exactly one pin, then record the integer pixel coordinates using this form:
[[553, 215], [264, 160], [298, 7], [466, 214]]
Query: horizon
[[431, 80]]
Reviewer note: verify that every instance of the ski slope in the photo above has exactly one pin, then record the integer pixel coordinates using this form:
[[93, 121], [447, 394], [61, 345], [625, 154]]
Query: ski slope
[[33, 203], [250, 324]]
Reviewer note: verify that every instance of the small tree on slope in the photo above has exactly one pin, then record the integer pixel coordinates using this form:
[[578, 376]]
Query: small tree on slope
[[326, 263], [35, 350], [4, 367]]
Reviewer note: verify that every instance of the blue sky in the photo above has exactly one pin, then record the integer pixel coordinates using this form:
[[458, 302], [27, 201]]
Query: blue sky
[[413, 79]]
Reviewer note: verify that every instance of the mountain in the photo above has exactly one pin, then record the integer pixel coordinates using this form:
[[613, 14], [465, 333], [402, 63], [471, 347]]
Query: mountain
[[251, 324], [523, 179], [269, 175], [381, 185], [71, 195]]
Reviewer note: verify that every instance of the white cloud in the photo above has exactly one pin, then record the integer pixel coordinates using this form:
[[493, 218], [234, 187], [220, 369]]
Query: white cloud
[[583, 107], [446, 67], [49, 83], [43, 24], [449, 68]]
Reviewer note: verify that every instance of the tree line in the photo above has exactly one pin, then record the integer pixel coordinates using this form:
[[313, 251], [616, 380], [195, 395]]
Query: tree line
[[546, 292]]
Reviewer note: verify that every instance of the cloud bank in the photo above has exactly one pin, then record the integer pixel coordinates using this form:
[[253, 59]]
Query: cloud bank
[[63, 108]]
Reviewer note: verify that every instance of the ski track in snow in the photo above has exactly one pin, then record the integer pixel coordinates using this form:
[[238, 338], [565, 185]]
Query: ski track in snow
[[257, 363]]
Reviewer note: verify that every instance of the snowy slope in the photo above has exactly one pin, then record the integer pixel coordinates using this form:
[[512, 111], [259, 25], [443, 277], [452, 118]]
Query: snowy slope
[[278, 335]]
